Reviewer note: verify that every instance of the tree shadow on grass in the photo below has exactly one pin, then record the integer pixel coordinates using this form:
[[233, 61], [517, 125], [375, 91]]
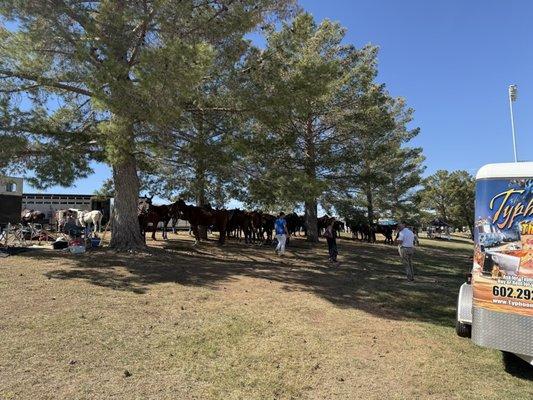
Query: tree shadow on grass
[[370, 276]]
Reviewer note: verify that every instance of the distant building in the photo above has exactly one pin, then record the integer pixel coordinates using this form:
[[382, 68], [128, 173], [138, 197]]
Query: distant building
[[11, 186], [10, 199]]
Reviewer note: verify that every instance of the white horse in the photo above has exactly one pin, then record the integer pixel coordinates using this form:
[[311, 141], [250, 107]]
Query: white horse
[[86, 218]]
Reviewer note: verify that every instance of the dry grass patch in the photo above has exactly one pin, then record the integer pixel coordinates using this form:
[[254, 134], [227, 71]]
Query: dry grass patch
[[239, 323]]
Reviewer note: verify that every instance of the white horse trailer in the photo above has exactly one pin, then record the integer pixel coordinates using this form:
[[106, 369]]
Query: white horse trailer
[[495, 307]]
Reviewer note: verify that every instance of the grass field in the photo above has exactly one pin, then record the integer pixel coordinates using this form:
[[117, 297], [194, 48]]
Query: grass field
[[237, 322]]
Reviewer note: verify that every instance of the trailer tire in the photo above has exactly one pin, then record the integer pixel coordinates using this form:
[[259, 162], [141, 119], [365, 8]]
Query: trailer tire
[[463, 330]]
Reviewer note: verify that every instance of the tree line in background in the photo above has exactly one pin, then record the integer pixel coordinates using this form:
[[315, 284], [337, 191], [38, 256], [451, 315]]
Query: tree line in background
[[174, 96]]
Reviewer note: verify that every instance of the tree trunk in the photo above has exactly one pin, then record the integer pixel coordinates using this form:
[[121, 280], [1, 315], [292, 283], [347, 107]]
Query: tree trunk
[[200, 172], [370, 207], [200, 202], [310, 170], [311, 220], [126, 234]]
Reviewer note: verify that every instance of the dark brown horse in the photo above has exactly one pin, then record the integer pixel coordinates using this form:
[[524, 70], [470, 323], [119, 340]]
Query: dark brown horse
[[201, 216], [148, 213], [240, 223], [268, 221], [295, 223]]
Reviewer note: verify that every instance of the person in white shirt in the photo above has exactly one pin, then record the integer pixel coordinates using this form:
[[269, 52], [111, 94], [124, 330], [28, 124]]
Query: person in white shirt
[[406, 248]]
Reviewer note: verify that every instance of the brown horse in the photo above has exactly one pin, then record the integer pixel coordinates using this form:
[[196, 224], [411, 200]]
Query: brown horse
[[267, 222], [148, 213], [201, 216], [240, 222]]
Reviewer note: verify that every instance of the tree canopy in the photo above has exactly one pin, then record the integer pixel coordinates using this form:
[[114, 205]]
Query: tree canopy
[[451, 196], [177, 100], [93, 80]]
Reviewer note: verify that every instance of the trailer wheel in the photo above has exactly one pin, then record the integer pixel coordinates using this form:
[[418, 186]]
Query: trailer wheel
[[463, 330]]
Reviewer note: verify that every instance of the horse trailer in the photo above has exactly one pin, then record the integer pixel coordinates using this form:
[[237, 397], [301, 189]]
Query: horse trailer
[[49, 204], [10, 200], [495, 306]]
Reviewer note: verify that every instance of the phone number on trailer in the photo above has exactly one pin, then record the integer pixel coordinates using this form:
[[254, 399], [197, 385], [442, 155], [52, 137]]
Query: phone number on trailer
[[502, 291]]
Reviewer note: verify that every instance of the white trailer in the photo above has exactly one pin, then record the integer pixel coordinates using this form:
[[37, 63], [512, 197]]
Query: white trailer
[[495, 306]]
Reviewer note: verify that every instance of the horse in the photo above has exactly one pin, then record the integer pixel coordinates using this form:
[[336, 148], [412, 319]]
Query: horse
[[86, 218], [256, 218], [157, 214], [148, 213], [363, 228], [240, 222], [387, 231], [32, 216], [201, 216], [267, 222], [61, 217], [339, 227]]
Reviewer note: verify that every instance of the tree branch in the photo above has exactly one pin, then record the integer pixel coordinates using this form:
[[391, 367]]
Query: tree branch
[[43, 81], [140, 39]]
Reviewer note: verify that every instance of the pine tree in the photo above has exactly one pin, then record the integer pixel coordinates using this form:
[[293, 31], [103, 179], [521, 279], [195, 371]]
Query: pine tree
[[450, 195], [379, 170], [95, 77], [196, 152], [300, 89]]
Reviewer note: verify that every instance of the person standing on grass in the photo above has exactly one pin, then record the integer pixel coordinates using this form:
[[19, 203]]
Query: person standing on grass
[[281, 233], [330, 235], [406, 248]]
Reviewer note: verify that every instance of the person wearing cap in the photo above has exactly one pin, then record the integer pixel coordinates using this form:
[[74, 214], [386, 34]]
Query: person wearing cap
[[406, 249]]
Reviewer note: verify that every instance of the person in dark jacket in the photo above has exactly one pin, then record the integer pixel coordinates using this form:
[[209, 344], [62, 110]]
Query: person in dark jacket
[[331, 236]]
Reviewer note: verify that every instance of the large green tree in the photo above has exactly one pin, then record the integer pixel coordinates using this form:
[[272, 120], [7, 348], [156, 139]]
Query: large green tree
[[450, 195], [195, 156], [299, 89], [89, 80], [380, 171]]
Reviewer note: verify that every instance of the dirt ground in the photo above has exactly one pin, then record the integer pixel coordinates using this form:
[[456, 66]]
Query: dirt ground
[[237, 322]]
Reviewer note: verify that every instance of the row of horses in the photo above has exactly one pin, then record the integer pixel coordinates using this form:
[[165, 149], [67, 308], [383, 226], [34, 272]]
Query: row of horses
[[252, 226], [364, 231]]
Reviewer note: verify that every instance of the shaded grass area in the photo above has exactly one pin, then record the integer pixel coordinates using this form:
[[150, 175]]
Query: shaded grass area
[[236, 322], [369, 278]]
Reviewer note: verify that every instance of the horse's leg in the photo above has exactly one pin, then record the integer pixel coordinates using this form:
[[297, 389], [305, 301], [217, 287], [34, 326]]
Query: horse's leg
[[196, 233], [222, 237], [154, 228]]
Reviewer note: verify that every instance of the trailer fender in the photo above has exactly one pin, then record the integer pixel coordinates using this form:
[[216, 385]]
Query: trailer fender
[[464, 304]]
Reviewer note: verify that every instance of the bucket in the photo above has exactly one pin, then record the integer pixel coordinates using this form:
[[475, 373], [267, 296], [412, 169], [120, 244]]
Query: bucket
[[77, 249]]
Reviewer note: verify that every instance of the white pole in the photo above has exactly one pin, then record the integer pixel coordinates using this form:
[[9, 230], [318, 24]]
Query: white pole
[[512, 91]]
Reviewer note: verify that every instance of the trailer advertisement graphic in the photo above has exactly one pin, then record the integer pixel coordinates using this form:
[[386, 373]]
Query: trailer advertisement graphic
[[502, 273]]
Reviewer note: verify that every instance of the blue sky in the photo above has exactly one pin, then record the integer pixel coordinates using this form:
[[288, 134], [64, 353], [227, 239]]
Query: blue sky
[[453, 62]]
